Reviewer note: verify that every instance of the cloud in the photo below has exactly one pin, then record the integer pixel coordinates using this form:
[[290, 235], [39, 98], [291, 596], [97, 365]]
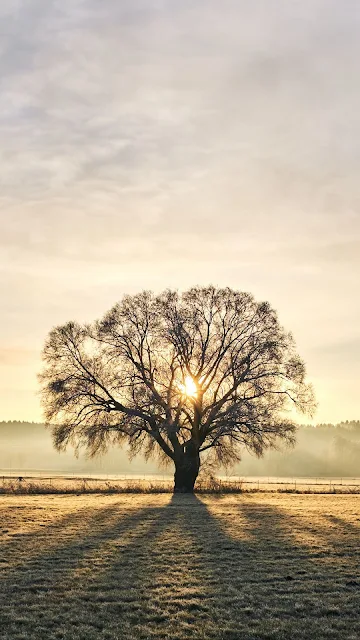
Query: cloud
[[164, 142]]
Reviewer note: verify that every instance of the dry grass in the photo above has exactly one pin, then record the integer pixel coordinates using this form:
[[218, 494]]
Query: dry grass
[[254, 566], [76, 486], [66, 485]]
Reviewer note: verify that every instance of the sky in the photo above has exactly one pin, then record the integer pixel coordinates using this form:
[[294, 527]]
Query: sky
[[147, 144]]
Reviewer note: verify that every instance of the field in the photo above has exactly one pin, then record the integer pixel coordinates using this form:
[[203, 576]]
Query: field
[[251, 566]]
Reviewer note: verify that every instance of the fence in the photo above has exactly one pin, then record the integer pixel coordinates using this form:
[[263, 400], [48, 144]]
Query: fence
[[302, 484], [49, 483]]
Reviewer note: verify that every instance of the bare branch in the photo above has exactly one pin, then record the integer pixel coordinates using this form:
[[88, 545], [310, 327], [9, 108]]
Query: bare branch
[[124, 378]]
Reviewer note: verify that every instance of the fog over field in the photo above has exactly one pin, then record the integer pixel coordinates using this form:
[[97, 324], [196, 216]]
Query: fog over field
[[327, 449]]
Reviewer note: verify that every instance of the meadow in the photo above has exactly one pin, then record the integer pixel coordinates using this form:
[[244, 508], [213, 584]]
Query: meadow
[[136, 567]]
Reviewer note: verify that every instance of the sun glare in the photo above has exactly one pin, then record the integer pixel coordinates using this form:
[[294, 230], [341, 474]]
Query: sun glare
[[189, 387]]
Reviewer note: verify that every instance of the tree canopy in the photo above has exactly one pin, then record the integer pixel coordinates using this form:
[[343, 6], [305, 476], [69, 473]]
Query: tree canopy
[[185, 376]]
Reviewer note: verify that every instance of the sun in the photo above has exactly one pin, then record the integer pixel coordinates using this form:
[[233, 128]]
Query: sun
[[189, 387]]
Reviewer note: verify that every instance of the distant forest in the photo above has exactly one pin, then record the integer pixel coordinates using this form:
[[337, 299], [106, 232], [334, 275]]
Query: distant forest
[[331, 450]]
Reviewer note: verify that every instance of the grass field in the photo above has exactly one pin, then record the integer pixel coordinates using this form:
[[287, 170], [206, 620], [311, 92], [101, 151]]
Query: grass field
[[256, 566]]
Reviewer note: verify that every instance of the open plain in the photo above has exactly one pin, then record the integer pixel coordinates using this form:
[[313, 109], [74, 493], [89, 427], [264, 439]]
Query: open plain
[[255, 566]]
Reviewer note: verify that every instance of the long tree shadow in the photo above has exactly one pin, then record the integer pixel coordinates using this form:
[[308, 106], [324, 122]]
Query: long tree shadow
[[287, 588], [30, 544], [182, 570], [186, 577], [43, 578]]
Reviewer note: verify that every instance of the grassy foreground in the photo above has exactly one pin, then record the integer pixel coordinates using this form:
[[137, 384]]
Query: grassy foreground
[[259, 566]]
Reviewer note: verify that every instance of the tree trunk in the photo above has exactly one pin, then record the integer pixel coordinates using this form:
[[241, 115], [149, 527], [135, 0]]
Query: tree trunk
[[187, 467]]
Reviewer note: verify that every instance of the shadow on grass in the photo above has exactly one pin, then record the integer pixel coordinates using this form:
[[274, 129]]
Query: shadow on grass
[[180, 571]]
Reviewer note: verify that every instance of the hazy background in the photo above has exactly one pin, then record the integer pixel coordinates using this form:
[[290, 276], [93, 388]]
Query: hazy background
[[154, 144], [327, 450]]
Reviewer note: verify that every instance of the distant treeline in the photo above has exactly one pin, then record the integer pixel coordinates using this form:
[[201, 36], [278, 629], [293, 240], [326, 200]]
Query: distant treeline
[[321, 450], [352, 425], [28, 446]]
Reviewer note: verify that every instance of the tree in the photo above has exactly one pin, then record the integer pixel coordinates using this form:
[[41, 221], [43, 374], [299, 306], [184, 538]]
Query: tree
[[187, 376]]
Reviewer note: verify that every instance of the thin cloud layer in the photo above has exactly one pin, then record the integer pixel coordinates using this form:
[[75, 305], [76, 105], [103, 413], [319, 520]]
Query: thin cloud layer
[[166, 143]]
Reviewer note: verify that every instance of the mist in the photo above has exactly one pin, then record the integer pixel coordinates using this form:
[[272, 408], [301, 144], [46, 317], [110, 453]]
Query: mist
[[26, 446], [321, 450]]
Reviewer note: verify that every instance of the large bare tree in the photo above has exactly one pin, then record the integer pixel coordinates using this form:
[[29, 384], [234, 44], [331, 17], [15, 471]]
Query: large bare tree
[[187, 376]]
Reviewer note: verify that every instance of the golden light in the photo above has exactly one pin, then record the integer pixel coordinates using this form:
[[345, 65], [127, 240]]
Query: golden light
[[189, 387]]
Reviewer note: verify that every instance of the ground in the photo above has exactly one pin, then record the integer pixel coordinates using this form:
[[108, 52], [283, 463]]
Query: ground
[[255, 566]]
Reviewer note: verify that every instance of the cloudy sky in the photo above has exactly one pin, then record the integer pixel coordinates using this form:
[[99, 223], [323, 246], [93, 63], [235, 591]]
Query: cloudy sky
[[165, 143]]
